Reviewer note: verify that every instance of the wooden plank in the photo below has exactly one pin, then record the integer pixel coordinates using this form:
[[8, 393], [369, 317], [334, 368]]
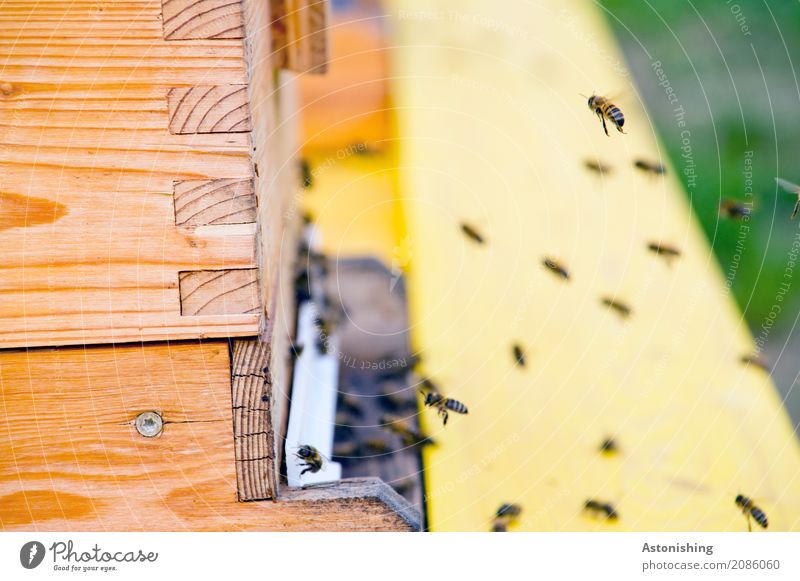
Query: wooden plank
[[301, 35], [254, 437], [190, 19], [92, 251], [209, 109], [219, 292], [71, 459], [204, 202]]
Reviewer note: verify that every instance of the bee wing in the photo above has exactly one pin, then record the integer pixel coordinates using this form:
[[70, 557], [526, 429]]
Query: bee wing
[[788, 186]]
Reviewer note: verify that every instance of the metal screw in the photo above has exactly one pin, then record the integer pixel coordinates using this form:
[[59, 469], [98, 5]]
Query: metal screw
[[149, 424]]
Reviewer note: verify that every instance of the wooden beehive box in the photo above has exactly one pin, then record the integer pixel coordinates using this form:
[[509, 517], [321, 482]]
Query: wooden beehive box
[[148, 228]]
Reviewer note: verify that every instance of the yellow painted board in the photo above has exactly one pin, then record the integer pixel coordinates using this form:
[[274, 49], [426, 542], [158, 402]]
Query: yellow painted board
[[354, 204], [493, 133]]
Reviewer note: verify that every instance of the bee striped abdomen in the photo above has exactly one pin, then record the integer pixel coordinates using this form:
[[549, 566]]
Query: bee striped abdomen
[[616, 115], [455, 406], [759, 516]]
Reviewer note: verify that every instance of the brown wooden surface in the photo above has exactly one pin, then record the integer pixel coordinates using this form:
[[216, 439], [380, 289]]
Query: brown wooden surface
[[204, 202], [301, 35], [209, 109], [91, 251], [188, 19], [219, 292], [71, 459], [254, 444]]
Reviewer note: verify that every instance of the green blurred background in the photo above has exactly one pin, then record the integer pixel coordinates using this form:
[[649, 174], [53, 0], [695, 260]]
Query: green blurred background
[[732, 67]]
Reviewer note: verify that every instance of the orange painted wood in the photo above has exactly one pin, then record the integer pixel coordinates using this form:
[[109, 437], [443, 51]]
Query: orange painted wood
[[189, 19], [88, 164], [72, 460], [219, 292], [209, 109], [205, 202]]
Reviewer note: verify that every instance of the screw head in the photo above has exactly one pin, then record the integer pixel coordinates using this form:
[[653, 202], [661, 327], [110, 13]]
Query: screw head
[[149, 424]]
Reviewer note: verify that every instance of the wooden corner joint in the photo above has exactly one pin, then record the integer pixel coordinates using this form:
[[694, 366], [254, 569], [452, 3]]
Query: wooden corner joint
[[209, 109], [202, 19]]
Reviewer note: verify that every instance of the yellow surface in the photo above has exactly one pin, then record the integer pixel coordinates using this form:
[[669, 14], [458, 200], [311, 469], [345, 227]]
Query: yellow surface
[[355, 206], [493, 132]]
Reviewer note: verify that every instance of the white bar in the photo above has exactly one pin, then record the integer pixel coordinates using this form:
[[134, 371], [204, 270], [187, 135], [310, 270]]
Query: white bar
[[517, 556]]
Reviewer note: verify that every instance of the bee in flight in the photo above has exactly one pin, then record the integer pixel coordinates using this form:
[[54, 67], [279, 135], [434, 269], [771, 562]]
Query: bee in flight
[[605, 109], [621, 309], [506, 515], [311, 459], [668, 252], [734, 210], [792, 189], [519, 355], [444, 405], [601, 509], [597, 166], [652, 167], [609, 447], [556, 268], [756, 361], [472, 233], [751, 510]]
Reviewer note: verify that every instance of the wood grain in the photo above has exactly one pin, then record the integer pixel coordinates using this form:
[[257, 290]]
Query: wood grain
[[71, 460], [87, 166], [300, 38], [254, 445], [209, 109], [219, 292], [204, 202], [211, 19]]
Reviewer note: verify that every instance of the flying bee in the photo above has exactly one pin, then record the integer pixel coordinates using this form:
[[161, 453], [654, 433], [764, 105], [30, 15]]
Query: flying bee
[[519, 355], [350, 404], [555, 267], [306, 176], [601, 509], [652, 167], [397, 400], [311, 459], [444, 405], [756, 361], [751, 510], [792, 189], [427, 385], [597, 166], [374, 446], [605, 109], [665, 250], [734, 210], [472, 233], [609, 447], [399, 426], [346, 449], [621, 309], [506, 515]]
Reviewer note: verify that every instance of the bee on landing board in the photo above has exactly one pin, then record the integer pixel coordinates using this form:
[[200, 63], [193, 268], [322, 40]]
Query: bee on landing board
[[751, 510], [734, 209], [444, 405], [605, 109], [604, 510], [506, 515], [792, 189], [311, 459], [651, 167]]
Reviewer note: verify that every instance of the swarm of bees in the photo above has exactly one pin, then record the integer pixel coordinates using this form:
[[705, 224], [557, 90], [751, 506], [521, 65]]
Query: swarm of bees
[[609, 447], [665, 250], [519, 355], [619, 307], [556, 268], [444, 405], [471, 233], [597, 166], [410, 437], [505, 516], [749, 509], [651, 167], [734, 210]]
